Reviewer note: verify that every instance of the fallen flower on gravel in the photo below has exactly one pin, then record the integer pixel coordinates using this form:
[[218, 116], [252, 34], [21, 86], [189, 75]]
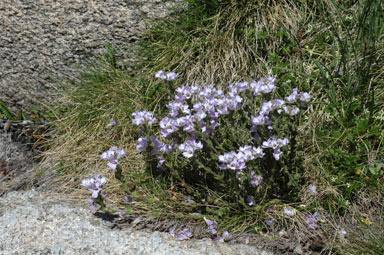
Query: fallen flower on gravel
[[211, 226], [181, 235], [225, 237]]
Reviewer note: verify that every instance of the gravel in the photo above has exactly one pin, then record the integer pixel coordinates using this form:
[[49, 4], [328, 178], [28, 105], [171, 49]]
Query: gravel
[[32, 222]]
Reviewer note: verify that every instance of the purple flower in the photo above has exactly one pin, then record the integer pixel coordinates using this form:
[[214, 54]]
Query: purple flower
[[113, 164], [291, 110], [113, 154], [311, 221], [282, 232], [160, 74], [121, 214], [305, 97], [142, 117], [263, 86], [292, 97], [143, 144], [269, 222], [225, 237], [255, 179], [188, 201], [250, 200], [189, 147], [94, 184], [261, 120], [128, 199], [277, 153], [338, 71], [312, 188], [171, 76], [289, 212], [112, 122], [342, 232], [181, 235], [211, 226]]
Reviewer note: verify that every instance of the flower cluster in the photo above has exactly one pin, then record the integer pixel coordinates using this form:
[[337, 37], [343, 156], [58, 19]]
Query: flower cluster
[[276, 145], [143, 117], [196, 113], [113, 154], [171, 76], [94, 184], [237, 161], [182, 234]]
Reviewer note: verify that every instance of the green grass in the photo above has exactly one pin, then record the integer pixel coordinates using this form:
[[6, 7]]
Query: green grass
[[302, 43]]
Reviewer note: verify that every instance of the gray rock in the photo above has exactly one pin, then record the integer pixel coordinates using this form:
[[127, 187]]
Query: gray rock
[[44, 42]]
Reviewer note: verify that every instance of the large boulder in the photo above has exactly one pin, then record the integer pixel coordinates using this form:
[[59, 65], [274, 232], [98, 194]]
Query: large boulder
[[43, 42]]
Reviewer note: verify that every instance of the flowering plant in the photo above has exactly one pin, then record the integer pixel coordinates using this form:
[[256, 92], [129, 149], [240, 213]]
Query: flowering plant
[[94, 184], [231, 139]]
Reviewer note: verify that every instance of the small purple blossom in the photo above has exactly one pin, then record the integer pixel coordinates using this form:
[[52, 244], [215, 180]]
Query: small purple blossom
[[184, 234], [94, 184], [113, 154], [269, 222], [342, 232], [142, 117], [305, 97], [255, 179], [211, 226], [291, 110], [171, 76], [250, 200], [292, 98], [188, 201], [121, 214], [275, 144], [128, 199], [289, 212], [189, 147], [282, 232], [313, 188], [263, 86], [225, 237], [112, 123], [338, 71], [142, 144], [312, 220]]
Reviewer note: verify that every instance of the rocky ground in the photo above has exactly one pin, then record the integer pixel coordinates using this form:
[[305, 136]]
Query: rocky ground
[[44, 42]]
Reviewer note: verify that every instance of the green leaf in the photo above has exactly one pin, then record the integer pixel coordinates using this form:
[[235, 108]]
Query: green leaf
[[4, 109]]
